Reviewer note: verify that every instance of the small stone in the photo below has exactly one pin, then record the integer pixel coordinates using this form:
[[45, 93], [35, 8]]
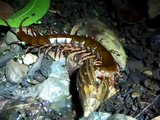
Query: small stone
[[135, 94], [10, 38], [129, 102], [154, 8], [136, 52], [147, 83], [121, 117], [148, 73], [156, 118], [136, 76], [134, 108], [3, 47], [29, 59], [15, 71], [152, 85], [156, 74]]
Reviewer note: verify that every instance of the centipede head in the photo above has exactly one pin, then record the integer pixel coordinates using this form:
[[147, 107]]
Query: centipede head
[[20, 32]]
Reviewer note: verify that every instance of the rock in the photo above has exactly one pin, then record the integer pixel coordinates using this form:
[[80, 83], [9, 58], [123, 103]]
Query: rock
[[155, 39], [136, 52], [56, 85], [154, 8], [156, 118], [15, 71], [129, 102], [29, 59], [135, 94], [3, 47], [10, 38], [97, 116], [45, 69], [152, 85], [136, 65], [156, 74], [136, 76], [148, 73], [121, 117], [14, 51]]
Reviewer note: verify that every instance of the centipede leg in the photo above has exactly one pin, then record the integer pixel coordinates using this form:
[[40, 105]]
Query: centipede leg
[[29, 48], [83, 59], [77, 53], [58, 51], [97, 62], [114, 52], [111, 81], [87, 56], [42, 47], [71, 49], [48, 49]]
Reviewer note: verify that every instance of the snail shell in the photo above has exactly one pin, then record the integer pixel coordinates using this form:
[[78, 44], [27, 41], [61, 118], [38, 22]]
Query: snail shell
[[92, 90]]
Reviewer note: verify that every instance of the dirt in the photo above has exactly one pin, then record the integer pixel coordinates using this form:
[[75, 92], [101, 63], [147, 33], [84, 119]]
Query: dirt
[[139, 91]]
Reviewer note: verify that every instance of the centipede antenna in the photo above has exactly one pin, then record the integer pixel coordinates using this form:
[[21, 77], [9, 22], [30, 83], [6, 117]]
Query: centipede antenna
[[115, 52], [11, 29], [20, 26]]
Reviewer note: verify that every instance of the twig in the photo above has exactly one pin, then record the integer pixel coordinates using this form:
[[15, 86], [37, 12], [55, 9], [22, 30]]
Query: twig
[[147, 106]]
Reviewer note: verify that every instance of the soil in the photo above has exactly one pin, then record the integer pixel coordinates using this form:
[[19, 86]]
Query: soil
[[139, 89]]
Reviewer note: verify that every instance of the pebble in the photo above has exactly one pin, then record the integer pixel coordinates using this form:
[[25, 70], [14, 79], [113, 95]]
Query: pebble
[[15, 71], [129, 102], [156, 74], [29, 59], [10, 38], [152, 85], [3, 47], [136, 65], [136, 52], [136, 76], [148, 73], [156, 118], [121, 117], [135, 94]]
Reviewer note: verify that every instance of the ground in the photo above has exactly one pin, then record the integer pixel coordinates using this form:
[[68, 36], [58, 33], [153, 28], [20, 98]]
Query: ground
[[138, 94]]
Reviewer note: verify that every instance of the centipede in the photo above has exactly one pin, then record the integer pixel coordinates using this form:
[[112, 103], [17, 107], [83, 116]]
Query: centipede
[[98, 70]]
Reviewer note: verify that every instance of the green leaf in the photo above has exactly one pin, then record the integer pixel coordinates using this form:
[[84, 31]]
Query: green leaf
[[35, 9]]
